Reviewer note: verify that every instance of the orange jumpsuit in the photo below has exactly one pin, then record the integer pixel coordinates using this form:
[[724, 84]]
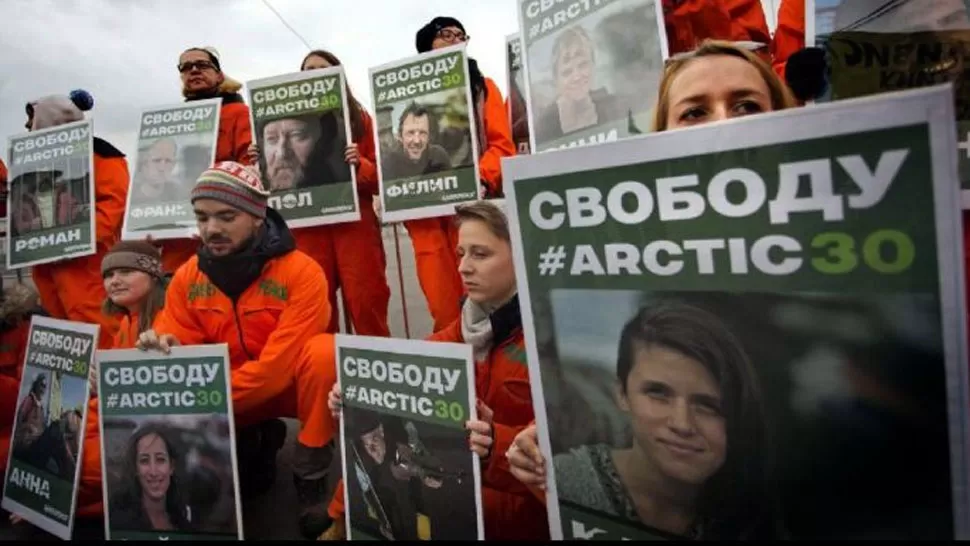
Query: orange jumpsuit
[[510, 510], [235, 136], [73, 289], [286, 368], [789, 35], [435, 239], [689, 22], [352, 254]]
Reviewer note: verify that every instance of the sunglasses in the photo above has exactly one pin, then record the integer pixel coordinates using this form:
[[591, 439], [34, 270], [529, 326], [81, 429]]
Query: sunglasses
[[190, 65]]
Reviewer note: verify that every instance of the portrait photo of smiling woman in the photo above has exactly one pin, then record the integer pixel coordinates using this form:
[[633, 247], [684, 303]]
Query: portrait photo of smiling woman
[[695, 462], [151, 497]]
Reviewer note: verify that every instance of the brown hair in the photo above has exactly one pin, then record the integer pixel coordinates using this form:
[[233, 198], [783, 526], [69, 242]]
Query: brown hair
[[489, 214], [781, 96], [356, 110]]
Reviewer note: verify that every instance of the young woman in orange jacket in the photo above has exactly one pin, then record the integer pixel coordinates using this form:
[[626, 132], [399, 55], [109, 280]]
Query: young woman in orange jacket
[[491, 323]]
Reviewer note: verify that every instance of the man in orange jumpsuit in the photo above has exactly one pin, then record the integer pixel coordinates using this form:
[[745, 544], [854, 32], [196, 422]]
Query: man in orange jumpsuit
[[202, 78], [72, 289], [689, 22], [435, 239], [249, 287]]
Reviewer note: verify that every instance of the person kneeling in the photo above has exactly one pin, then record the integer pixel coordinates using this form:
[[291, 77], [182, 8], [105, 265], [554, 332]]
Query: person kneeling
[[250, 288]]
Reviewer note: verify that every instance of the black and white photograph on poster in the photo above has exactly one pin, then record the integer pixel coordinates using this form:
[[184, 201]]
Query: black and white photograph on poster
[[408, 477], [592, 69], [176, 143]]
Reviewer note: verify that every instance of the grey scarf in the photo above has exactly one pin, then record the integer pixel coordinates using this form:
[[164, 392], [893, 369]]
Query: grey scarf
[[476, 328]]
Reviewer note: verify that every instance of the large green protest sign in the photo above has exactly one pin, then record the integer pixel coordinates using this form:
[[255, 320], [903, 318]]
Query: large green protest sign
[[176, 143], [428, 136], [409, 471], [166, 419], [302, 128], [52, 406], [51, 203], [770, 317], [591, 68]]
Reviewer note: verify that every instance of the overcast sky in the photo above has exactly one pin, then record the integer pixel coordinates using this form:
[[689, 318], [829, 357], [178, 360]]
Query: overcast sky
[[124, 52]]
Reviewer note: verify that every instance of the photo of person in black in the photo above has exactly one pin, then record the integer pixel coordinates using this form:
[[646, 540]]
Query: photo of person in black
[[397, 485]]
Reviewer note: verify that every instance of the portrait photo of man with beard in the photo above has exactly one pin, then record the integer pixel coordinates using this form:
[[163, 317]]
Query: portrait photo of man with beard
[[416, 151], [302, 151]]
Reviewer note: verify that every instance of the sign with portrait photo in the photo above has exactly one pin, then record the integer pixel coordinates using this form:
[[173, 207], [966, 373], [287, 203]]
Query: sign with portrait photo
[[168, 455], [176, 144], [771, 334], [302, 128], [428, 142], [409, 471], [592, 69], [43, 470], [50, 207]]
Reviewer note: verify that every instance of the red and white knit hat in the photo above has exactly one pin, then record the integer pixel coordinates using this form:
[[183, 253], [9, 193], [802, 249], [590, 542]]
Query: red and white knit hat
[[233, 184]]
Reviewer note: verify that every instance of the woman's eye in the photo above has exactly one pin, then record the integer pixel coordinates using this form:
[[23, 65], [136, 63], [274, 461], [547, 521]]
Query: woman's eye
[[692, 114], [748, 107]]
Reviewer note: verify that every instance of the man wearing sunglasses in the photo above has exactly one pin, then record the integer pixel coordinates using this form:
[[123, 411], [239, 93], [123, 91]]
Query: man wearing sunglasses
[[202, 78]]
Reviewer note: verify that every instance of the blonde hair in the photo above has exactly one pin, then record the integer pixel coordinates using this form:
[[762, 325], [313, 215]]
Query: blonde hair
[[781, 96], [487, 213]]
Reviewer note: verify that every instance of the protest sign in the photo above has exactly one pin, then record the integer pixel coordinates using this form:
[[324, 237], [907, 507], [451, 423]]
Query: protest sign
[[428, 135], [518, 112], [302, 127], [167, 431], [592, 69], [771, 314], [871, 49], [50, 207], [52, 406], [176, 143], [409, 471]]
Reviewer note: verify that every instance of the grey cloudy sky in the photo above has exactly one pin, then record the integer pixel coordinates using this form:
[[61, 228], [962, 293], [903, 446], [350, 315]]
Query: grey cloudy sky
[[124, 52]]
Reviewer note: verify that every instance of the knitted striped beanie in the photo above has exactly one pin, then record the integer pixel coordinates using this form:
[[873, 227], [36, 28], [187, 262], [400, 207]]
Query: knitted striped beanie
[[235, 185]]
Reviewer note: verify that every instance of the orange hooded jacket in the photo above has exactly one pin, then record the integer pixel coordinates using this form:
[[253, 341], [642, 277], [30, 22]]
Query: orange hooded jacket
[[510, 510], [689, 22], [280, 366]]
